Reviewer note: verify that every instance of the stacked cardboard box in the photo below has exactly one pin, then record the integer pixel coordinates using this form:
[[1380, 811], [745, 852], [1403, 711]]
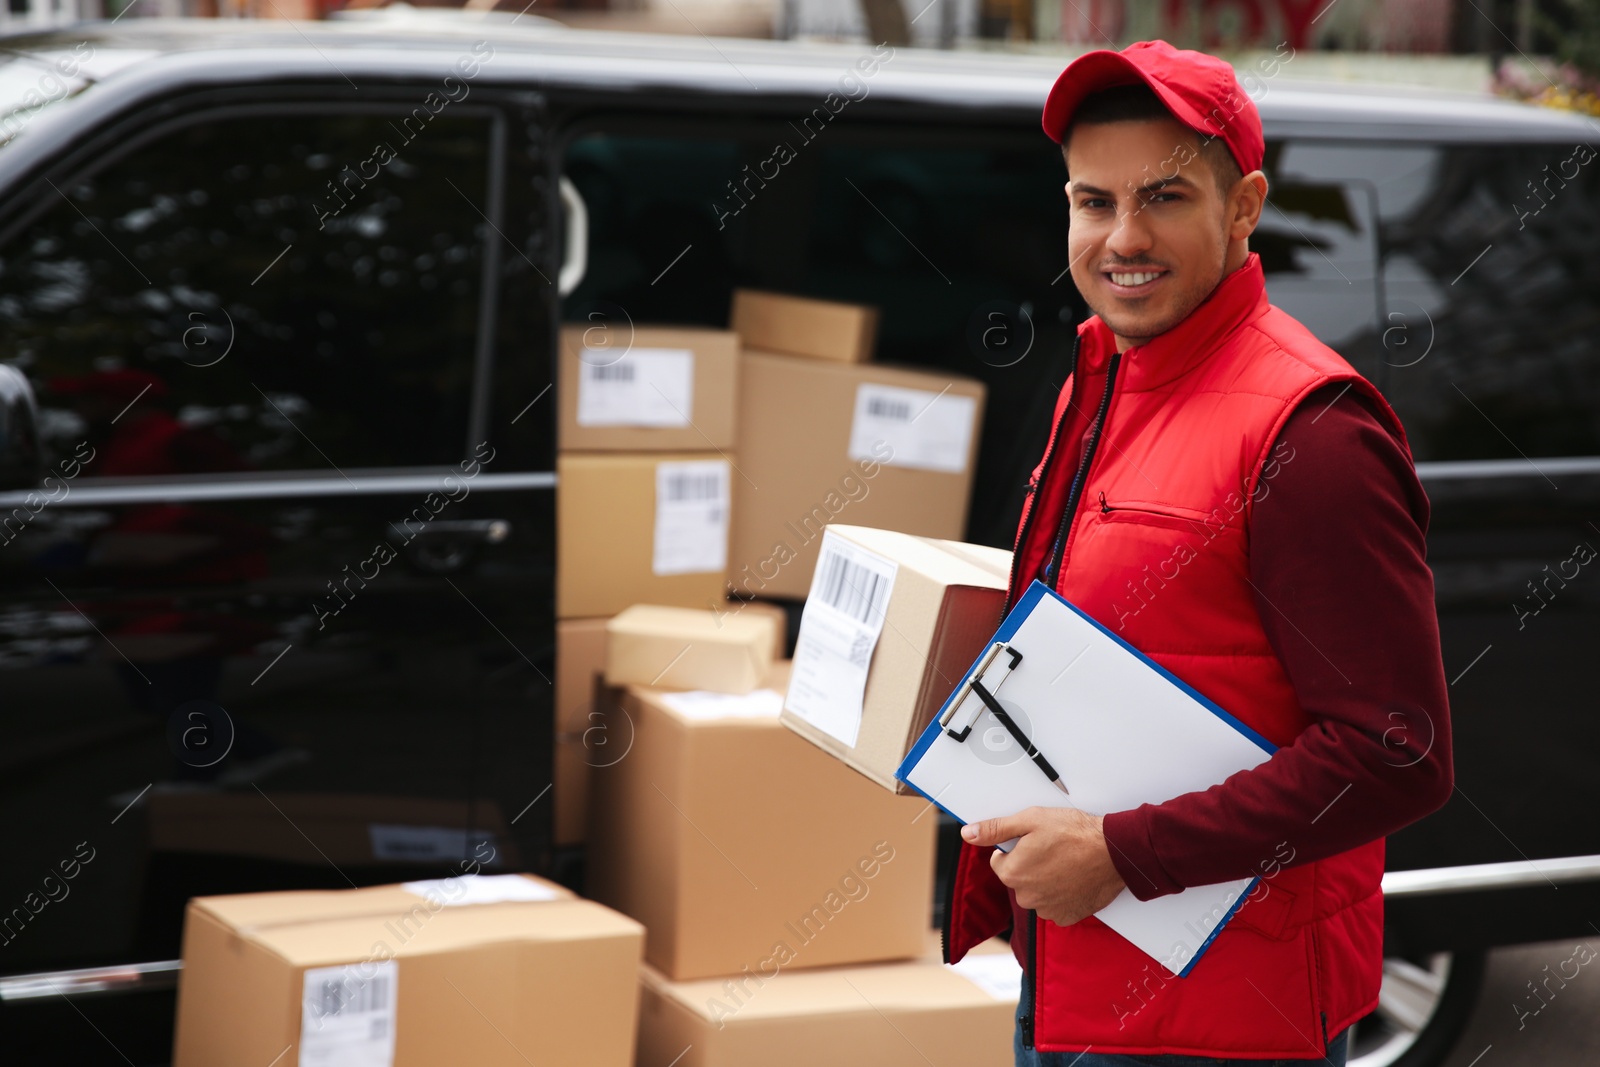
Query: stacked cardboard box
[[734, 841], [907, 1014], [744, 849], [647, 426], [581, 734], [478, 969], [647, 432], [826, 436], [587, 736], [681, 648], [803, 326], [650, 426]]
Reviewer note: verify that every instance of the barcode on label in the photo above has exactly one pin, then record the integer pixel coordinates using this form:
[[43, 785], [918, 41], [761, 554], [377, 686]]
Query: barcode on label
[[693, 487], [888, 409], [857, 591], [331, 997], [611, 372]]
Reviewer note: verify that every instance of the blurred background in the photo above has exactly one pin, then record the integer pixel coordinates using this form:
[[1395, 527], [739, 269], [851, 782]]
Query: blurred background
[[1448, 43]]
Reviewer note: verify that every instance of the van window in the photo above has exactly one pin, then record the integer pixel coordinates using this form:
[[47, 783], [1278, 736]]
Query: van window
[[1492, 331], [1318, 242], [267, 292]]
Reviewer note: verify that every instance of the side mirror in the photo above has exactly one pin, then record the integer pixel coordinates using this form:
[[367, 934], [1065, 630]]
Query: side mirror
[[20, 465]]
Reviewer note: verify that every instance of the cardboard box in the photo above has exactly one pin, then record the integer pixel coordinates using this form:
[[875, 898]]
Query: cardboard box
[[685, 648], [663, 389], [776, 612], [727, 835], [350, 829], [580, 661], [803, 326], [424, 977], [911, 1014], [647, 528], [585, 737], [938, 611], [864, 444]]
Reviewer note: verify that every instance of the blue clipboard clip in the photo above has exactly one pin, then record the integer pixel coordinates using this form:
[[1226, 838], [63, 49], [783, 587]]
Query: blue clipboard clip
[[978, 695]]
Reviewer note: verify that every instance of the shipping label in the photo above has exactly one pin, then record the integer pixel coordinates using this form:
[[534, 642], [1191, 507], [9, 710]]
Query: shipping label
[[839, 629], [692, 505], [347, 1015], [639, 387], [926, 431]]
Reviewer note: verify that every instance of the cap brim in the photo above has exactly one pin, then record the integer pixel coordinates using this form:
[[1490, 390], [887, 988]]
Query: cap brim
[[1093, 71]]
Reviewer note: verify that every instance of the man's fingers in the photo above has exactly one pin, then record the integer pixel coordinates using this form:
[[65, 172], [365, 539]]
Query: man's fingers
[[997, 863], [994, 831]]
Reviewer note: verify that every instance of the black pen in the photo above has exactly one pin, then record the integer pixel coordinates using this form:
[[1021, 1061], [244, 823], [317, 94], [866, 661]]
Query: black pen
[[1016, 733]]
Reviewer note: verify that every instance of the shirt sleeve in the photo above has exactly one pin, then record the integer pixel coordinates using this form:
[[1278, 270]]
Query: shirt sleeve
[[1338, 563]]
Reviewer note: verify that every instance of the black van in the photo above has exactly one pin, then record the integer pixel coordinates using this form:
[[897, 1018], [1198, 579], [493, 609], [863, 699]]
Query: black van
[[278, 306]]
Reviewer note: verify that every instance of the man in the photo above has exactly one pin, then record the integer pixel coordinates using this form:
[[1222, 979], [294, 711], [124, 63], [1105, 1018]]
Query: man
[[1229, 496]]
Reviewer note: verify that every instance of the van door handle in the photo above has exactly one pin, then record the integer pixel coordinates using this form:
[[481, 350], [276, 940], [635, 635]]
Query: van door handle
[[443, 546], [575, 253], [484, 531]]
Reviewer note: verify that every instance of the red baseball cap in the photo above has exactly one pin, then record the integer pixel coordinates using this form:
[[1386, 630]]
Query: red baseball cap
[[1200, 90]]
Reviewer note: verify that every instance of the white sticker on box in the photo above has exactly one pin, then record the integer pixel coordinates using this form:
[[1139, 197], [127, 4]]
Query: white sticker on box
[[996, 973], [702, 704], [347, 1015], [839, 630], [928, 431], [480, 889], [404, 843], [691, 535], [638, 387]]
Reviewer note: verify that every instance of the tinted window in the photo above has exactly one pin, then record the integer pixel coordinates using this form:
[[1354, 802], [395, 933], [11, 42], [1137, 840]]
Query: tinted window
[[273, 309], [1317, 238], [1492, 333]]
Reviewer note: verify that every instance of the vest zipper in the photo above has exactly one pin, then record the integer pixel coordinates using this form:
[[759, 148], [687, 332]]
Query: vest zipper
[[1022, 539], [1029, 972], [1029, 1019], [1052, 573], [1044, 474]]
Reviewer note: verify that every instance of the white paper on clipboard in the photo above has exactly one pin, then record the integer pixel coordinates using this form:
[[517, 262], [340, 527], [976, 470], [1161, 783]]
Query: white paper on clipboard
[[1120, 731]]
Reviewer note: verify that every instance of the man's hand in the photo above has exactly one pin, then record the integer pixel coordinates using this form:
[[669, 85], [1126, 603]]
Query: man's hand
[[1060, 867]]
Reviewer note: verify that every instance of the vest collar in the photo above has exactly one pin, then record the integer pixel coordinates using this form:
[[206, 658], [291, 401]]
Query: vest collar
[[1239, 297]]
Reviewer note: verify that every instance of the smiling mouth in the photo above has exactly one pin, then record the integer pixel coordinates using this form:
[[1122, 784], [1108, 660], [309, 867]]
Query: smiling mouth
[[1132, 282]]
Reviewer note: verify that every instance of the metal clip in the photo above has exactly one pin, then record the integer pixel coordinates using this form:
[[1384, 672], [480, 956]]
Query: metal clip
[[966, 709]]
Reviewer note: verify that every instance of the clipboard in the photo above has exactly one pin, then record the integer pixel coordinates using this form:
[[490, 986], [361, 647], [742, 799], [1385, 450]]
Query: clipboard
[[1058, 711]]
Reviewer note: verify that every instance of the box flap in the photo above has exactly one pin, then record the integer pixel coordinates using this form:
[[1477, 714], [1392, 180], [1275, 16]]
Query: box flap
[[913, 985], [319, 942], [692, 624], [242, 910], [933, 557]]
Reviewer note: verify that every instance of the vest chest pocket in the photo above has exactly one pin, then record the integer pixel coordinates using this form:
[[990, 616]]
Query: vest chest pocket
[[1154, 513], [1128, 553]]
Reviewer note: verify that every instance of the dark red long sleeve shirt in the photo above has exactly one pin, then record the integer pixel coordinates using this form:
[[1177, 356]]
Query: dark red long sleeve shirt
[[1338, 563]]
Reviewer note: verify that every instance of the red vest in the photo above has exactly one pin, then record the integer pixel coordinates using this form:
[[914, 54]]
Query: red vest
[[1158, 550]]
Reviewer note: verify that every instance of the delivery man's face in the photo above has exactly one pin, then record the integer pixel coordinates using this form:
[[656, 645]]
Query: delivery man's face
[[1150, 232]]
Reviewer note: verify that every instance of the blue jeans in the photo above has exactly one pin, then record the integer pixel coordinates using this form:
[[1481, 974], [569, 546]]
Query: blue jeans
[[1034, 1058]]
